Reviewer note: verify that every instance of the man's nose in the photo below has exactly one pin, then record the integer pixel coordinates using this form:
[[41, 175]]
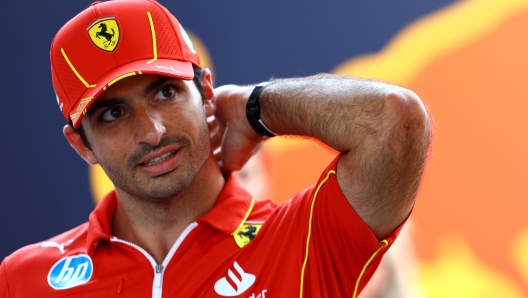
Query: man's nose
[[149, 127]]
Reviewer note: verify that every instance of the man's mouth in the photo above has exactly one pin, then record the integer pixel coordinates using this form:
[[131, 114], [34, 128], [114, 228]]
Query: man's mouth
[[160, 158]]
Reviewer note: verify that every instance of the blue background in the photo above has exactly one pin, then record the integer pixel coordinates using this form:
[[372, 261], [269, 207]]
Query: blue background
[[44, 184]]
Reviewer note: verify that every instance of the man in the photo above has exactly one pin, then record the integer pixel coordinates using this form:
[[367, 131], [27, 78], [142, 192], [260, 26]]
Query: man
[[128, 81]]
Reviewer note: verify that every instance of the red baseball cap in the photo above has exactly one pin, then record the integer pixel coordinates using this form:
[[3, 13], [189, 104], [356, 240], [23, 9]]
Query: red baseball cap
[[113, 40]]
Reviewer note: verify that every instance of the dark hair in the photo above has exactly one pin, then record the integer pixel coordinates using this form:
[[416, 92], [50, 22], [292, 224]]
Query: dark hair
[[197, 79], [198, 75], [80, 130]]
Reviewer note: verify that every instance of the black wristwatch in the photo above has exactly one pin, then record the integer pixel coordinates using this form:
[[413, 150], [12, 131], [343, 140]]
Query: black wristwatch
[[253, 112]]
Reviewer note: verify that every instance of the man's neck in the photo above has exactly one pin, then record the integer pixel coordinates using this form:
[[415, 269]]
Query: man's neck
[[156, 226]]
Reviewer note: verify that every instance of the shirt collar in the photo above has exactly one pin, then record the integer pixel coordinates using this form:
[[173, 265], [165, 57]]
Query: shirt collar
[[232, 208], [99, 221], [229, 213]]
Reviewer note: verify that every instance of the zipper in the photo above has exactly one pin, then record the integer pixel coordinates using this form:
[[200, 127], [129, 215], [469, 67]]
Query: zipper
[[159, 268]]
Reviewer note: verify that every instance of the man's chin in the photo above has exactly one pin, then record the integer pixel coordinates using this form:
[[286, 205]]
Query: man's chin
[[159, 189]]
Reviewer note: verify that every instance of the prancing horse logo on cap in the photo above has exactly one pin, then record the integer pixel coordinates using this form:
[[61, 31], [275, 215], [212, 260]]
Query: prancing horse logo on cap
[[104, 33]]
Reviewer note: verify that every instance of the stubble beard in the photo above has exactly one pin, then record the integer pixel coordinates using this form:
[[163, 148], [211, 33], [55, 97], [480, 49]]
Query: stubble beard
[[161, 189]]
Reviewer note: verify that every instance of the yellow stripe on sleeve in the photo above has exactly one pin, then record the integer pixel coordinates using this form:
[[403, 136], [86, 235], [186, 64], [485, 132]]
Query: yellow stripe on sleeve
[[310, 229], [384, 243], [245, 217]]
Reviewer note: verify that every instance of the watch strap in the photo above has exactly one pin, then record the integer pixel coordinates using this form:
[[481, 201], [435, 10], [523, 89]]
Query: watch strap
[[253, 112]]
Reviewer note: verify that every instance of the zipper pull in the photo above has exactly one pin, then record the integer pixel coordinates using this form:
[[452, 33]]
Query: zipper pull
[[159, 268], [157, 277]]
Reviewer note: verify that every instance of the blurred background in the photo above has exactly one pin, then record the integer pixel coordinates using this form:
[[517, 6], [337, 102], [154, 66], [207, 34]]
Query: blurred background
[[467, 60]]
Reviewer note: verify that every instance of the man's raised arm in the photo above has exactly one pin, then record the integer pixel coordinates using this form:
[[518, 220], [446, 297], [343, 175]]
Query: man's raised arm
[[382, 131]]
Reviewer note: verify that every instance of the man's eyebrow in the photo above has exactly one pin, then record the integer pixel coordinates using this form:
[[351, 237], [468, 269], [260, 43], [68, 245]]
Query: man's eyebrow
[[155, 84], [106, 103], [119, 100]]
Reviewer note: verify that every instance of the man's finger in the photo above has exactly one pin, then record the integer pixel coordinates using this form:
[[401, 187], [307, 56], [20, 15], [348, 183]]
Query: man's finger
[[218, 154], [212, 124], [216, 140]]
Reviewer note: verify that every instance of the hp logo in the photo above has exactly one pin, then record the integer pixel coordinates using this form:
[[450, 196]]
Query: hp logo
[[70, 272]]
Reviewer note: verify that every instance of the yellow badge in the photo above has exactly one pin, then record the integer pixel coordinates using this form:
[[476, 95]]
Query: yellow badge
[[104, 33], [246, 234]]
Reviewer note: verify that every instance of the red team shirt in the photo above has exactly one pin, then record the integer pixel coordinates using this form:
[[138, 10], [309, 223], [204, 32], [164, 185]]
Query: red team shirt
[[314, 245]]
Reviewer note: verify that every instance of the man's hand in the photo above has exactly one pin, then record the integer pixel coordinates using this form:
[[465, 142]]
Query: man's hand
[[382, 132], [230, 130]]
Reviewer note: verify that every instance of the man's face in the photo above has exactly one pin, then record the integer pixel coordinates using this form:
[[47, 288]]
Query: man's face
[[149, 133]]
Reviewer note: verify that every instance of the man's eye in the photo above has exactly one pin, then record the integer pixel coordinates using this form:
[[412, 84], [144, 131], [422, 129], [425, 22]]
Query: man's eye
[[166, 92], [112, 114]]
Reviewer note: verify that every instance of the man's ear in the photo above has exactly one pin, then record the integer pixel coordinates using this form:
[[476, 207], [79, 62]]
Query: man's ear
[[208, 89], [76, 142]]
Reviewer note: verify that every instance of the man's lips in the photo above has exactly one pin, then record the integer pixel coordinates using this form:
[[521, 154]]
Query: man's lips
[[157, 154], [160, 159], [160, 162]]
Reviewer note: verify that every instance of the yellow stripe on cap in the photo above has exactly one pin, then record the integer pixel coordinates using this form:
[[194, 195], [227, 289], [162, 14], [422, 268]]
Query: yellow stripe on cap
[[75, 70], [85, 100], [121, 77], [154, 46]]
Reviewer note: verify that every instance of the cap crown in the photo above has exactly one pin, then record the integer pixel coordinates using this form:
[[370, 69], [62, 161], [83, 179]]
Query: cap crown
[[115, 39]]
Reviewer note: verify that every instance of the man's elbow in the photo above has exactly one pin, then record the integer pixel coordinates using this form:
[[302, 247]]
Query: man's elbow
[[409, 116]]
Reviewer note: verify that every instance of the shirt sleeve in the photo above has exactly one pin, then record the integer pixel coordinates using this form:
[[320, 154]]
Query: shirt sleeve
[[341, 253], [4, 289]]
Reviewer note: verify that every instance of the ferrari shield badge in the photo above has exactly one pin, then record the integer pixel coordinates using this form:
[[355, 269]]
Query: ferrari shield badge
[[246, 234], [104, 33]]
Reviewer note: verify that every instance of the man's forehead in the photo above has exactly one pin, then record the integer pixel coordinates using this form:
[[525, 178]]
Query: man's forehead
[[136, 85], [126, 88]]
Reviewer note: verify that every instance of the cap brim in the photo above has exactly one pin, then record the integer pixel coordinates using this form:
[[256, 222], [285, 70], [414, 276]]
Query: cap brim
[[165, 67]]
